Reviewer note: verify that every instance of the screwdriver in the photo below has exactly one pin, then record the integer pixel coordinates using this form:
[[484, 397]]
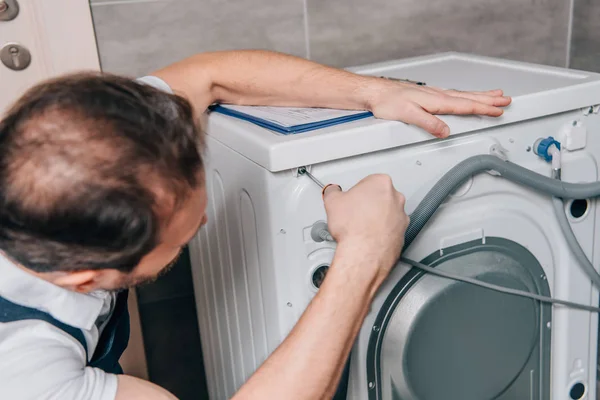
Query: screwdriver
[[304, 171]]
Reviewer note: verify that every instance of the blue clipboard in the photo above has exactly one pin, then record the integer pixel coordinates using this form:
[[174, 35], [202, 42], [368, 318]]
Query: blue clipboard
[[289, 130]]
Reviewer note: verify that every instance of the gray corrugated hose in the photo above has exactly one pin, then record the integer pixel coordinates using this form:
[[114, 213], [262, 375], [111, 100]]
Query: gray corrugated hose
[[576, 249], [515, 173]]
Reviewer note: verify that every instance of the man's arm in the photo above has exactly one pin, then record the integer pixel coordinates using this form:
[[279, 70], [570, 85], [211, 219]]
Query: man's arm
[[254, 77], [309, 363], [131, 388]]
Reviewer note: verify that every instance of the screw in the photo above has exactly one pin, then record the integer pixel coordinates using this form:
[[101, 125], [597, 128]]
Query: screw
[[282, 232], [371, 385], [375, 328], [418, 162], [543, 277], [289, 304], [548, 325], [528, 148], [511, 140]]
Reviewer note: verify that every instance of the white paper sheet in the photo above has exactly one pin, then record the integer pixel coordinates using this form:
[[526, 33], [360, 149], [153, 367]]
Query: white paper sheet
[[291, 116]]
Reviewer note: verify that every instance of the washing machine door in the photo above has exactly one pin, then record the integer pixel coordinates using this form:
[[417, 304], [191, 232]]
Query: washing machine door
[[439, 339]]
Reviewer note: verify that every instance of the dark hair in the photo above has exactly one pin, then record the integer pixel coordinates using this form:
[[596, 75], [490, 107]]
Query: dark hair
[[88, 163]]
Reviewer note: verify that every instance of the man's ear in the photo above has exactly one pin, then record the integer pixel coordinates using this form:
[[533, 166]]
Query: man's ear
[[84, 281]]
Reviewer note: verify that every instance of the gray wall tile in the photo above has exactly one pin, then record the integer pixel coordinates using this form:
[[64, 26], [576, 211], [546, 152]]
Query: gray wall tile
[[585, 45], [136, 38], [353, 32], [97, 2]]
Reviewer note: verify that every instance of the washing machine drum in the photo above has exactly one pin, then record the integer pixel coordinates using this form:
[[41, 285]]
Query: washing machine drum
[[436, 338]]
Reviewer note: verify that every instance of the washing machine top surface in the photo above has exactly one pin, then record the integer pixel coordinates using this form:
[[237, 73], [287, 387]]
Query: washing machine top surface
[[537, 91]]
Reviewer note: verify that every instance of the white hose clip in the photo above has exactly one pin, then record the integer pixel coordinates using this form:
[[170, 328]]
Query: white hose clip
[[498, 151]]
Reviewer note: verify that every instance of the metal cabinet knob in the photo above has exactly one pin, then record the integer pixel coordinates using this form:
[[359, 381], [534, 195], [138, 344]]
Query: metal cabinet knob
[[15, 56], [9, 9]]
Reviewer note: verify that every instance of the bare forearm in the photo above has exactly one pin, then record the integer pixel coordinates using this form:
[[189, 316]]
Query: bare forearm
[[131, 388], [254, 77], [309, 363]]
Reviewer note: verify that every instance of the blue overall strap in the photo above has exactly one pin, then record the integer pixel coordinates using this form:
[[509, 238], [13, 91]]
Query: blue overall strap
[[114, 338], [10, 312]]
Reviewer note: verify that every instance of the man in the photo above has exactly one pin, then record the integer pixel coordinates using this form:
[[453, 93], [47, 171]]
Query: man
[[101, 185]]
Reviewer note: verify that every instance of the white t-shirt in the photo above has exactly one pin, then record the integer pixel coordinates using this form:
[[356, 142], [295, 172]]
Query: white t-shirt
[[39, 361]]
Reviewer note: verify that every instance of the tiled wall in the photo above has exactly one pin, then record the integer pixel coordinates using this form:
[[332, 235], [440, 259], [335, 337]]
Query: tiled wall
[[585, 43], [138, 36]]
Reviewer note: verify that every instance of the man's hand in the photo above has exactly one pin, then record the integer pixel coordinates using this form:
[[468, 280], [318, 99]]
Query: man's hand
[[416, 105], [370, 220]]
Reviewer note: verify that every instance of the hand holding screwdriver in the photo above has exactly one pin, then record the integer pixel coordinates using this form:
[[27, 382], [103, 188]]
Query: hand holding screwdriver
[[369, 220]]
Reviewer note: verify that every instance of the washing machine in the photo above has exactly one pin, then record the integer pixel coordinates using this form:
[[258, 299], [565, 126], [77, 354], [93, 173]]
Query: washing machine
[[256, 265]]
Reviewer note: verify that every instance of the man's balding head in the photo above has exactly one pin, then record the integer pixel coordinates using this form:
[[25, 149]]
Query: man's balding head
[[91, 168]]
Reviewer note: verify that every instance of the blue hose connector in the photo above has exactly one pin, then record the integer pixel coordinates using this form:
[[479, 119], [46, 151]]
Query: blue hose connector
[[541, 147]]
